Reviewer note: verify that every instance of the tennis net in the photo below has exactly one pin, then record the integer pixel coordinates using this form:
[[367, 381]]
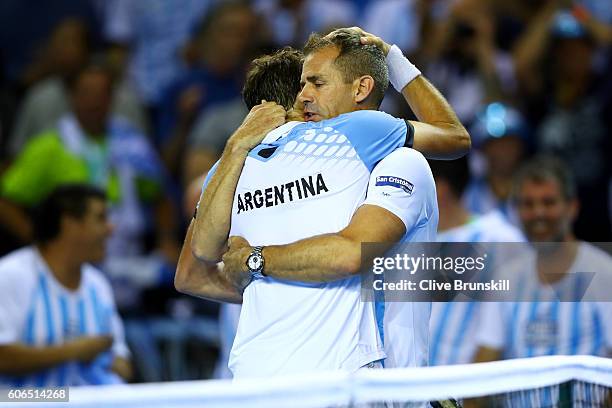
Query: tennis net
[[555, 381]]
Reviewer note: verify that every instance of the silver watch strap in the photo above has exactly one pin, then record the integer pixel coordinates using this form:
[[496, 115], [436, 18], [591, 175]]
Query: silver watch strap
[[258, 274]]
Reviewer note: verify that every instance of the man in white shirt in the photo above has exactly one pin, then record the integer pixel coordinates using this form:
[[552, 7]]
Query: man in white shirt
[[547, 205], [58, 322], [565, 281]]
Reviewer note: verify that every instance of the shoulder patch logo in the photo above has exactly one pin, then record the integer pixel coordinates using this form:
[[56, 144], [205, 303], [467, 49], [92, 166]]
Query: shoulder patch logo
[[396, 182]]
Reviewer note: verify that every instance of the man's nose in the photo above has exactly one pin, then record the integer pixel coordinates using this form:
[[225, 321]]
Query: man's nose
[[538, 210], [305, 96]]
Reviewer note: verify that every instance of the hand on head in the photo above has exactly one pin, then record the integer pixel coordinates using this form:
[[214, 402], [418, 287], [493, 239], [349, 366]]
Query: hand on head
[[368, 38]]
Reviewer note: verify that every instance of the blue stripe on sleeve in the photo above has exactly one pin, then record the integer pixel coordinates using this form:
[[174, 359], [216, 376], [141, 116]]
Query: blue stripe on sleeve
[[468, 316], [548, 398], [513, 329], [81, 309], [554, 314], [576, 307], [379, 307], [211, 173], [513, 332], [83, 368], [41, 379], [597, 331], [63, 301], [97, 311], [48, 312], [31, 319], [532, 315], [575, 334], [439, 333]]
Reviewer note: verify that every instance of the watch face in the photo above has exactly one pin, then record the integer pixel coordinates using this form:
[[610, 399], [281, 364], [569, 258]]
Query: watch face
[[254, 262]]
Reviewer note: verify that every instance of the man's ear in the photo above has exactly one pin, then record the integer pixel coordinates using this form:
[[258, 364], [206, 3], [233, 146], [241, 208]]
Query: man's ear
[[363, 88]]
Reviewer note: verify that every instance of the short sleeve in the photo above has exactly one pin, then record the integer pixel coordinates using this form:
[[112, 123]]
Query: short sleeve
[[373, 134], [402, 183], [209, 176], [16, 286], [211, 172], [491, 329], [9, 308]]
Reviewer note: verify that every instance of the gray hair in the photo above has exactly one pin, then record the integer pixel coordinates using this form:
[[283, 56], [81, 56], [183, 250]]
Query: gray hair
[[355, 59], [546, 168]]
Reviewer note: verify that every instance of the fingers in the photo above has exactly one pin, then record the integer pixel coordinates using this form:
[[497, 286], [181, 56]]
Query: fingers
[[371, 39], [262, 105], [367, 38], [268, 108], [273, 114]]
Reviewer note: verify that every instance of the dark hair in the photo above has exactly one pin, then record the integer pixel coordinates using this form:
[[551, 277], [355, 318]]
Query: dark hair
[[355, 59], [546, 168], [455, 172], [69, 200], [275, 78]]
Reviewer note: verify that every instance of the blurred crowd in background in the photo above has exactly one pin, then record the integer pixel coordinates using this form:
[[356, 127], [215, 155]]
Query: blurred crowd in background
[[157, 84]]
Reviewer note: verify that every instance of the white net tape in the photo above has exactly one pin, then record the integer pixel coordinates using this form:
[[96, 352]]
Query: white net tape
[[353, 389]]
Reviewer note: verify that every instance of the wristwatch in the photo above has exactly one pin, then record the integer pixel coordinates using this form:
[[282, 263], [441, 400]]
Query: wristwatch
[[255, 262]]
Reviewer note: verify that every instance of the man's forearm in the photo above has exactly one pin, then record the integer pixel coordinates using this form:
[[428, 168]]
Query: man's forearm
[[208, 282], [212, 223], [324, 258], [330, 257], [201, 279], [439, 133], [19, 359]]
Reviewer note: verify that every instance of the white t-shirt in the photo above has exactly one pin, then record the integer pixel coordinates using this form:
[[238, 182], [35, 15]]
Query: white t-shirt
[[403, 184], [453, 325], [36, 310], [410, 195], [550, 327], [307, 179], [229, 315]]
